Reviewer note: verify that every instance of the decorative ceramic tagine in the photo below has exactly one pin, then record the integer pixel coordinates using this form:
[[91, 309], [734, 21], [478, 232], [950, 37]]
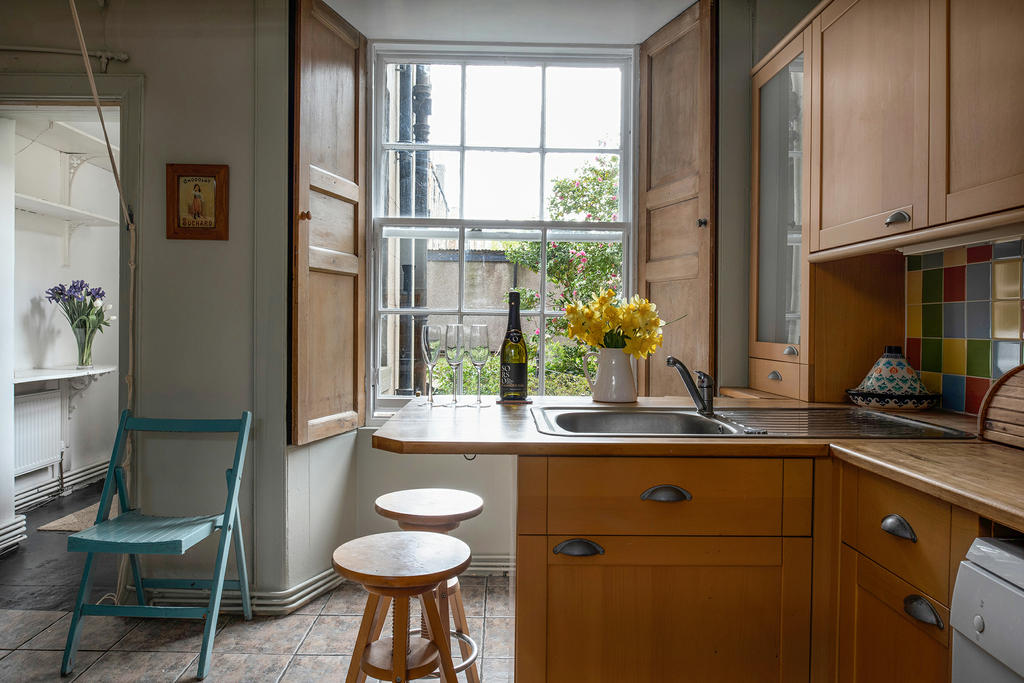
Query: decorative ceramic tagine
[[893, 385]]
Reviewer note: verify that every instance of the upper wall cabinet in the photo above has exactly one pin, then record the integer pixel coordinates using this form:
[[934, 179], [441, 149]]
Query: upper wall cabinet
[[977, 108], [870, 71]]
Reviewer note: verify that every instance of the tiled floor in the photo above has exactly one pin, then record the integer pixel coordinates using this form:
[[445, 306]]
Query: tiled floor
[[311, 644]]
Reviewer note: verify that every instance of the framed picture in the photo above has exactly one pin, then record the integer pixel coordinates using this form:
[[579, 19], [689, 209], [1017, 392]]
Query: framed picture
[[197, 201]]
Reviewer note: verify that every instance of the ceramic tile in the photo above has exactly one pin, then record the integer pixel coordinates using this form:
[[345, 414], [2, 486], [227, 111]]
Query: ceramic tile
[[975, 390], [1006, 279], [265, 635], [914, 352], [331, 635], [931, 286], [169, 635], [40, 666], [1005, 357], [98, 633], [1003, 250], [978, 320], [316, 668], [498, 670], [978, 282], [499, 597], [18, 626], [932, 381], [144, 667], [953, 397], [954, 356], [314, 606], [914, 287], [931, 320], [4, 653], [914, 320], [474, 589], [1006, 320], [914, 262], [499, 637], [235, 667], [348, 598], [953, 320], [954, 256], [953, 283], [931, 355], [933, 260], [979, 253], [979, 357]]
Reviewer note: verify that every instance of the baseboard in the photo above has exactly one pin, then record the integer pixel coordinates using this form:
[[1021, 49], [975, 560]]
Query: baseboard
[[287, 601], [37, 495], [12, 533]]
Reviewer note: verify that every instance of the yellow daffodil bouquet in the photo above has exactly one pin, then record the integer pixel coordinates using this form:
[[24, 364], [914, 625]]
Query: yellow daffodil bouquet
[[606, 322]]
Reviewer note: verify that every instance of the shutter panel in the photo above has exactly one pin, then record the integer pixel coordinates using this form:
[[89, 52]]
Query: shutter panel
[[676, 203], [328, 260]]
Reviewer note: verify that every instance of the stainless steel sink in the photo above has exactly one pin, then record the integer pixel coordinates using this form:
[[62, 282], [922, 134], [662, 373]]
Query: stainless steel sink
[[600, 421]]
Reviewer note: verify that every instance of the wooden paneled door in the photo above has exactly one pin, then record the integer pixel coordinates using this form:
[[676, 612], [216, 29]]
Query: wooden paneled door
[[676, 202], [328, 263], [977, 107], [869, 128]]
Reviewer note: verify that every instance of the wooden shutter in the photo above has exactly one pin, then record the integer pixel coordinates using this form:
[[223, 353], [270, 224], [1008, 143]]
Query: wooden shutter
[[676, 200], [328, 261]]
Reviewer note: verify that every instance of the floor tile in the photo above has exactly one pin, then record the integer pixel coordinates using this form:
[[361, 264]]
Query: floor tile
[[236, 667], [4, 653], [27, 666], [498, 670], [499, 597], [499, 637], [144, 667], [316, 668], [18, 626], [348, 598], [473, 591], [265, 635], [331, 635], [169, 635], [314, 606], [98, 633]]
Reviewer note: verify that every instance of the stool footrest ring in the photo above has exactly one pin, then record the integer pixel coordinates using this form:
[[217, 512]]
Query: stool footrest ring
[[474, 651]]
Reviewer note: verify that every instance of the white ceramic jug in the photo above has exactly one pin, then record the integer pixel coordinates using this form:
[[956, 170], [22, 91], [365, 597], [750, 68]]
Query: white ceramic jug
[[614, 382]]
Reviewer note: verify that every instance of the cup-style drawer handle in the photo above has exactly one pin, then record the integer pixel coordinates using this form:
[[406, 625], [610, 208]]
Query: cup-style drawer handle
[[790, 351], [775, 375], [578, 547], [922, 610], [899, 527], [897, 217], [666, 493]]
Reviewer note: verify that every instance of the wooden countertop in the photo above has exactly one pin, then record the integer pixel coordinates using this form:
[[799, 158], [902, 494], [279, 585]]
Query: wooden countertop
[[983, 477]]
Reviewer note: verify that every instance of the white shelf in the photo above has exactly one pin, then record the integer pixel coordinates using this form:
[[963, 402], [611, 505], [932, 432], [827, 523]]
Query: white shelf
[[61, 372], [44, 207], [65, 137]]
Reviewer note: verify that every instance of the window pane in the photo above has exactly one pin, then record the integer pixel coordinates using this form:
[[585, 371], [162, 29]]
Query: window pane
[[422, 183], [563, 362], [419, 268], [401, 370], [498, 261], [503, 106], [423, 103], [502, 185], [584, 107], [582, 263], [581, 187]]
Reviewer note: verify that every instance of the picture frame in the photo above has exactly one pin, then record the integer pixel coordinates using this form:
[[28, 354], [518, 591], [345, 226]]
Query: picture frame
[[197, 201]]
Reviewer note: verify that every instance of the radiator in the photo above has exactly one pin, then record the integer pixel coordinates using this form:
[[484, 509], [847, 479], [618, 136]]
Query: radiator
[[37, 442]]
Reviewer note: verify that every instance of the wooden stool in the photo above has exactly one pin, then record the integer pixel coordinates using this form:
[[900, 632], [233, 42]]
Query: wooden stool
[[394, 567], [440, 511]]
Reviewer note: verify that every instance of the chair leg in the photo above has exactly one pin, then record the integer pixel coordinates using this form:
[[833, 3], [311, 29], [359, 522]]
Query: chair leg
[[243, 575], [462, 626], [376, 628], [439, 635], [212, 611], [75, 628], [371, 615], [140, 593], [400, 640]]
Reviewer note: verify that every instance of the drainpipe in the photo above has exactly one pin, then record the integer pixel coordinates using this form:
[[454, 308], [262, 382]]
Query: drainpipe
[[421, 104], [406, 339]]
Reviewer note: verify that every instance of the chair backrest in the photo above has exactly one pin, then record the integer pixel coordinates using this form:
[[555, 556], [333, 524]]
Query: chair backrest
[[128, 423]]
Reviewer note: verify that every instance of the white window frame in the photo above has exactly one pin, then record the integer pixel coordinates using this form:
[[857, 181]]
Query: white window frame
[[383, 53]]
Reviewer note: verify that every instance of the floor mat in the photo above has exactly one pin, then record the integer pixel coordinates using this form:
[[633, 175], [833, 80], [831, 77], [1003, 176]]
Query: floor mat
[[76, 521]]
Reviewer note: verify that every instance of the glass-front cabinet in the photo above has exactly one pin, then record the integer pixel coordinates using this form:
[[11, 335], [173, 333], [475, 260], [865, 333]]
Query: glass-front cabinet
[[779, 211]]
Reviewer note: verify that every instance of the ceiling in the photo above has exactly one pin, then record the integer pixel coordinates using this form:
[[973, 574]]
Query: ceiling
[[606, 22]]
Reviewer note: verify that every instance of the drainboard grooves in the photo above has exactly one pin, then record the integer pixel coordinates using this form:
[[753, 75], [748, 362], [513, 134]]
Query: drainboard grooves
[[835, 423]]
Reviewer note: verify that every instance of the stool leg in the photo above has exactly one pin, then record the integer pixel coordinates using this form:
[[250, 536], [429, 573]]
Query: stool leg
[[400, 640], [440, 638], [379, 617], [462, 626], [355, 672]]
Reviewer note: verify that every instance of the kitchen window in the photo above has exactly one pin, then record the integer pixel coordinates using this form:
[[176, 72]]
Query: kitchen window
[[494, 172]]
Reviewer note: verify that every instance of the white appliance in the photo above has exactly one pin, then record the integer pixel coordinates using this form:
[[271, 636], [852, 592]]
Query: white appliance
[[988, 613]]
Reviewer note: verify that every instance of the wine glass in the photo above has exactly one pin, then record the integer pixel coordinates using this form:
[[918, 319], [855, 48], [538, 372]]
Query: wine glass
[[430, 338], [455, 350], [479, 351]]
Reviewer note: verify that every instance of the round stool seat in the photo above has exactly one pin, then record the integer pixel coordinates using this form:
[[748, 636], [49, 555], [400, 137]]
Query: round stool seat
[[401, 561], [429, 509]]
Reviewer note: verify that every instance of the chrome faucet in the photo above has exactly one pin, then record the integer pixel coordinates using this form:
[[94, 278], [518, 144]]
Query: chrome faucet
[[702, 393]]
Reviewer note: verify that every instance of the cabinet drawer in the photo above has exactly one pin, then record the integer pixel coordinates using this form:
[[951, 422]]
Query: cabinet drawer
[[871, 503], [776, 377], [709, 496]]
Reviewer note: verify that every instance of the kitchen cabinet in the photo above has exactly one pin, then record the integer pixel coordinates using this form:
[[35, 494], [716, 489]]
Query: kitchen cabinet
[[977, 106], [869, 128]]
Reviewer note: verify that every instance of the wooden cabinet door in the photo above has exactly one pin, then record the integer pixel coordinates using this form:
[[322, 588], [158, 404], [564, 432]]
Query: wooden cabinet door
[[879, 640], [870, 122], [977, 108], [661, 608]]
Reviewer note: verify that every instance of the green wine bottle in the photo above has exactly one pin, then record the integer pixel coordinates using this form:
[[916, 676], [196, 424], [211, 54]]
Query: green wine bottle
[[513, 355]]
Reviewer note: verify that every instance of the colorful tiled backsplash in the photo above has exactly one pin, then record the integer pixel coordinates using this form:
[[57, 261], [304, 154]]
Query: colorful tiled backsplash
[[964, 319]]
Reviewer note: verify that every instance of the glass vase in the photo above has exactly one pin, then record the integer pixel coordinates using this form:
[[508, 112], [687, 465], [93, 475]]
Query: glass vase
[[84, 337]]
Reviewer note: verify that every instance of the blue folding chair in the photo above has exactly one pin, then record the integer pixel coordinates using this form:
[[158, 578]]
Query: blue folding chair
[[134, 534]]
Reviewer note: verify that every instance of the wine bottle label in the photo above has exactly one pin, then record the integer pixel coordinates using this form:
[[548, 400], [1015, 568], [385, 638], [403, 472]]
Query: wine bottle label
[[513, 378], [514, 336]]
